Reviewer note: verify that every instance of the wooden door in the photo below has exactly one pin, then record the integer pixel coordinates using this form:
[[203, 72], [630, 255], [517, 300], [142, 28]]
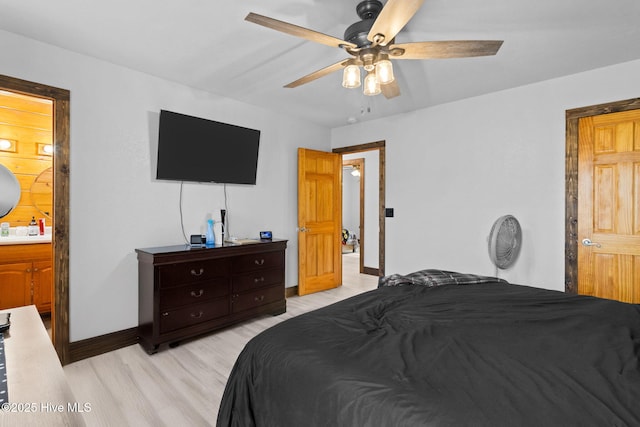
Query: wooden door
[[319, 221], [609, 206], [15, 285]]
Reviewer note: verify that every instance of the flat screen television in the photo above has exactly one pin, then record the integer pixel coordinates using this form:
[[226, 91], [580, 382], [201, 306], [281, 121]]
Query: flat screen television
[[195, 149]]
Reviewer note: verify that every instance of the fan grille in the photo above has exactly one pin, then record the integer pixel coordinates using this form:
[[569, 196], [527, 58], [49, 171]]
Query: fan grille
[[9, 191], [505, 240]]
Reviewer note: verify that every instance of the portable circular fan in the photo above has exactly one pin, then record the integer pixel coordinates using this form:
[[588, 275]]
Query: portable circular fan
[[505, 240], [9, 191]]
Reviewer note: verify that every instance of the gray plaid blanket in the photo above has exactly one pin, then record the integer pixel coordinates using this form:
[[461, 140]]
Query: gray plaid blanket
[[432, 277]]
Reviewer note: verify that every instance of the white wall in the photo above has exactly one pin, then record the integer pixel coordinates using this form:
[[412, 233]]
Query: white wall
[[453, 169], [116, 205]]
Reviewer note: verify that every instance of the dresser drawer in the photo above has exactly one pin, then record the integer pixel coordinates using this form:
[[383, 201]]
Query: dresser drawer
[[191, 315], [192, 272], [257, 298], [259, 261], [193, 293], [257, 279]]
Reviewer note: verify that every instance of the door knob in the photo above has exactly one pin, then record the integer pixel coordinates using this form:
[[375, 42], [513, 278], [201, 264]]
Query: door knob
[[588, 242]]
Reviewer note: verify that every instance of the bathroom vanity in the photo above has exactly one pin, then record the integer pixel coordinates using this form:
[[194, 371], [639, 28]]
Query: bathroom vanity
[[26, 272]]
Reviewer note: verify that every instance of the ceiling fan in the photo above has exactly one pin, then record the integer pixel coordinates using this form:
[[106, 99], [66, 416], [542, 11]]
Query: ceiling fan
[[371, 44]]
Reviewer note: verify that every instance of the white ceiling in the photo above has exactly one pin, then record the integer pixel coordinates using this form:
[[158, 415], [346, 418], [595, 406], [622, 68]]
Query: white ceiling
[[207, 44]]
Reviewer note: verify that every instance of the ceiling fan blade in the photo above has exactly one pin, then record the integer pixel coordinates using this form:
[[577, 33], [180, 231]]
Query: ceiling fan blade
[[297, 31], [320, 73], [445, 49], [393, 17], [390, 90]]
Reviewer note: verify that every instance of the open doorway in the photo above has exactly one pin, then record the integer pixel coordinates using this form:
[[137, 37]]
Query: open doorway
[[60, 233], [353, 203], [364, 195], [26, 147]]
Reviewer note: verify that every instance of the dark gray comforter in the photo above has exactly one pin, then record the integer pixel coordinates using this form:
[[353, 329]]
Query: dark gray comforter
[[490, 354]]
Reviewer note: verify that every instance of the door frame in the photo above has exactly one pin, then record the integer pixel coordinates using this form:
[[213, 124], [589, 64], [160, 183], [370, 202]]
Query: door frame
[[60, 237], [572, 118], [381, 147]]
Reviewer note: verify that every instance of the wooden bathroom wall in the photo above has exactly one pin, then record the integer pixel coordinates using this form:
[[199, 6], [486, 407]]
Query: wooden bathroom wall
[[28, 121]]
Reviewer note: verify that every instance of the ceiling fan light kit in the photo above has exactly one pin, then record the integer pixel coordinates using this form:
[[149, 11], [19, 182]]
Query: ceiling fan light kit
[[371, 84], [371, 42], [384, 70], [351, 77]]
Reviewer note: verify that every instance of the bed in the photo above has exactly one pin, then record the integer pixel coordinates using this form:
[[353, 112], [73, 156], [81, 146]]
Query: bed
[[437, 348]]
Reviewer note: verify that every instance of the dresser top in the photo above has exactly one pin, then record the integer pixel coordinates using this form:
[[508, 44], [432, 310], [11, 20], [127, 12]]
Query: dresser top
[[185, 248]]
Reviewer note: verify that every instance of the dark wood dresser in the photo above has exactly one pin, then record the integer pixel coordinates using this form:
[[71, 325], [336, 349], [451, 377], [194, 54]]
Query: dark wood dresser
[[184, 291]]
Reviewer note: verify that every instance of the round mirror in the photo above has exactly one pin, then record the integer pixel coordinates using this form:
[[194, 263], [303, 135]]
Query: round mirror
[[42, 192], [9, 191]]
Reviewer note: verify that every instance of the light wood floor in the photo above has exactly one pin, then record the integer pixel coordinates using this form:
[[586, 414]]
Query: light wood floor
[[183, 385]]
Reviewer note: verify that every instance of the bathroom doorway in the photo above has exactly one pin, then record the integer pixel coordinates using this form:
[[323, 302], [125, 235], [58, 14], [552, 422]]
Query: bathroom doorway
[[60, 175], [26, 256]]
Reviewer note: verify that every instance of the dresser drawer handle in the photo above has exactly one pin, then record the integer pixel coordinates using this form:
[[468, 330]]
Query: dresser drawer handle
[[256, 280], [260, 298], [197, 273], [197, 315], [197, 294], [261, 262], [165, 314]]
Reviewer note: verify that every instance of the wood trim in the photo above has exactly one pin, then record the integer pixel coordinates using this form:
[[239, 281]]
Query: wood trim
[[61, 137], [372, 271], [381, 147], [291, 291], [95, 346], [370, 146], [382, 213], [572, 118]]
